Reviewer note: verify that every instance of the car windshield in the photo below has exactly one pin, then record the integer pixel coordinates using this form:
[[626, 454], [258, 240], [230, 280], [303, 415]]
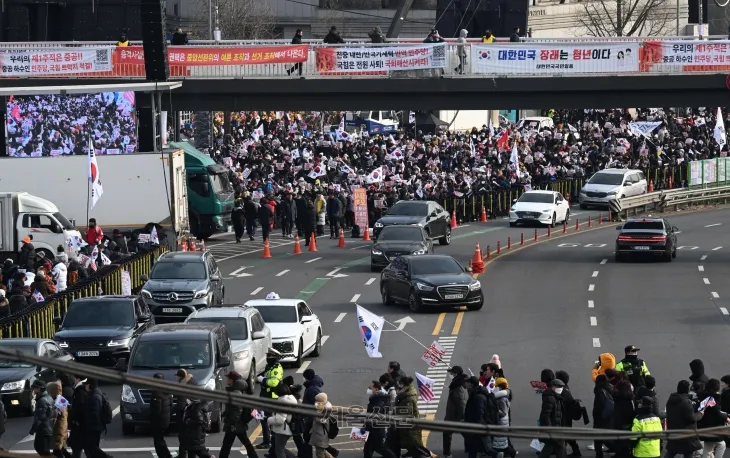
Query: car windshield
[[7, 364], [65, 223], [615, 179], [408, 209], [536, 197], [221, 184], [95, 314], [168, 270], [278, 313], [643, 226], [237, 327], [435, 266], [530, 124], [171, 354], [400, 233]]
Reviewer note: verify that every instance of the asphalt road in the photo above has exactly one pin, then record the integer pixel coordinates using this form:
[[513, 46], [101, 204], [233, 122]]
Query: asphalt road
[[532, 318]]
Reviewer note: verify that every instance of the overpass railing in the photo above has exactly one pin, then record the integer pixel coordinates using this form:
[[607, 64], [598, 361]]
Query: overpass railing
[[240, 60]]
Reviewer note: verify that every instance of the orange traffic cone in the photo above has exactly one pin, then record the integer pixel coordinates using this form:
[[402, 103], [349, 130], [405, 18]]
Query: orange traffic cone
[[484, 217], [453, 219], [313, 243], [192, 245], [477, 264], [183, 245], [341, 243], [267, 250], [366, 235], [202, 245], [651, 185], [670, 183], [297, 246]]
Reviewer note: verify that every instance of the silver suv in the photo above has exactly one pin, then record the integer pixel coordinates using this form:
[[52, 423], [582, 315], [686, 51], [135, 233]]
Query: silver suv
[[180, 283], [249, 335]]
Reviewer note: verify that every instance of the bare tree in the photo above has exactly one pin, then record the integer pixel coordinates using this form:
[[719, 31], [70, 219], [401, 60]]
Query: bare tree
[[239, 19], [625, 18]]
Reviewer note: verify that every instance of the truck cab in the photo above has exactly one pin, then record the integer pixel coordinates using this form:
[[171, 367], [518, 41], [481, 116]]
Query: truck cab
[[374, 122], [210, 193], [23, 215]]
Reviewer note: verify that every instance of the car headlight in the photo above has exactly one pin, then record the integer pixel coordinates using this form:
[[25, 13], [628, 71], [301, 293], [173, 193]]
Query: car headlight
[[118, 343], [612, 193], [241, 355], [199, 294], [376, 252], [210, 385], [12, 386], [476, 286], [547, 211], [419, 252], [128, 395], [145, 293], [512, 209], [378, 224], [63, 344], [423, 287]]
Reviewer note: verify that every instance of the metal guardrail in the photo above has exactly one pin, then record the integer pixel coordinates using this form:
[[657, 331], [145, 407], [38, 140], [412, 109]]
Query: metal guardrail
[[673, 199]]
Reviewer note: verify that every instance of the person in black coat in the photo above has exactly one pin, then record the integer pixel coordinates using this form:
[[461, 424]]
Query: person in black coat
[[301, 203], [93, 426], [624, 411], [297, 40], [570, 404], [649, 390], [236, 419], [251, 211], [26, 257], [455, 403], [195, 420], [264, 216], [379, 404], [333, 37], [698, 371], [602, 409], [681, 415], [76, 418], [334, 208], [313, 384], [309, 222], [238, 219], [186, 379], [552, 415], [160, 415], [288, 214], [714, 417], [477, 412]]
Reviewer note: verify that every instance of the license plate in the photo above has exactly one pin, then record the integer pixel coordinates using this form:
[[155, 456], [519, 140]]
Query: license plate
[[87, 353], [641, 248], [528, 217], [454, 296], [172, 310]]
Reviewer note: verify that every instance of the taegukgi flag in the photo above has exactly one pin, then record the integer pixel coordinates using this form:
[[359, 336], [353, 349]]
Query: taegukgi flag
[[371, 326], [96, 189], [719, 134], [643, 129]]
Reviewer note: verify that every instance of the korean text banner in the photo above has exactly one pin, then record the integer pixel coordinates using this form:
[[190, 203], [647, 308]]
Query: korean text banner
[[555, 58], [241, 55], [353, 60], [52, 61], [685, 56]]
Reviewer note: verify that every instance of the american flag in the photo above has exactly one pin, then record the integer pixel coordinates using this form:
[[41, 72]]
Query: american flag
[[425, 387]]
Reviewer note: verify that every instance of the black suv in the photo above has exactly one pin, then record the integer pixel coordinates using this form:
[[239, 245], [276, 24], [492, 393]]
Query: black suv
[[180, 283], [395, 241], [647, 236], [100, 330], [429, 215]]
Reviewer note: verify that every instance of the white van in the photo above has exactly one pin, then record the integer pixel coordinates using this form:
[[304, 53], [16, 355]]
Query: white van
[[610, 184], [536, 123]]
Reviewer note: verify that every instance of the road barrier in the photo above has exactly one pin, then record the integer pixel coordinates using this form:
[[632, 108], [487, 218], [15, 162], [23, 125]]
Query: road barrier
[[670, 198], [36, 321]]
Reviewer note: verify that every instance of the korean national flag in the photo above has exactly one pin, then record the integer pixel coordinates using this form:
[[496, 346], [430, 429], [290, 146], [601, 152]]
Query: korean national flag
[[371, 326], [316, 172], [376, 176]]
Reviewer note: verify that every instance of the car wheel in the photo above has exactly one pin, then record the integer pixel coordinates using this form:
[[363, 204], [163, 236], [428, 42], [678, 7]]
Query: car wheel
[[446, 239], [374, 268], [583, 206], [318, 345], [475, 307], [385, 296], [414, 303], [251, 377], [215, 423], [668, 256], [127, 429], [552, 223], [674, 253], [512, 224], [300, 357], [567, 216], [618, 258]]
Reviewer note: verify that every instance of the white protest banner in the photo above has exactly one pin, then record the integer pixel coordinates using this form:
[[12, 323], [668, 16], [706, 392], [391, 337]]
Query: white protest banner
[[357, 60], [685, 56], [719, 132], [126, 284], [555, 58], [643, 129], [55, 61], [371, 326], [357, 435], [433, 354]]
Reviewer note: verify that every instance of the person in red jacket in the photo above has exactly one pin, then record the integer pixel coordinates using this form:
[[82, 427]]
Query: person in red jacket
[[94, 234]]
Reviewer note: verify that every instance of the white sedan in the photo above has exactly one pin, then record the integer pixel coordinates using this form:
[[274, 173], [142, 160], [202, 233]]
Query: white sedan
[[543, 207]]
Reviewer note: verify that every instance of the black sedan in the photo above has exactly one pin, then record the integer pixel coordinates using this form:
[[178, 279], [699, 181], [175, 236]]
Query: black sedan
[[429, 215], [429, 281], [647, 237], [17, 377], [395, 241]]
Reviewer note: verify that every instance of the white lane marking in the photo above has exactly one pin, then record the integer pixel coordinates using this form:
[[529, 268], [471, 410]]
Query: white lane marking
[[724, 311], [355, 298], [247, 252], [715, 295], [369, 282], [595, 274], [706, 280], [701, 268], [591, 304], [257, 290], [703, 257], [594, 321], [312, 260], [596, 342], [340, 317], [603, 261], [358, 247], [304, 367], [713, 225], [324, 339], [717, 248], [591, 287], [237, 271], [283, 272]]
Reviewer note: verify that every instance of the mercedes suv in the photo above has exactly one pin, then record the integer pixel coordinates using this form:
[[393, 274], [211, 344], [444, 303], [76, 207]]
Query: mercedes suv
[[180, 283]]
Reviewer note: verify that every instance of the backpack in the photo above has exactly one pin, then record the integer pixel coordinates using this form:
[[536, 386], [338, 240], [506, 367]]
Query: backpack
[[491, 413], [296, 425], [107, 413], [608, 407], [334, 428]]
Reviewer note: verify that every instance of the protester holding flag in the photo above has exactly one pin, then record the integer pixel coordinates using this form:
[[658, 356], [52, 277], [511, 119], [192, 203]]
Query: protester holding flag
[[713, 417], [42, 285], [481, 408], [378, 403], [681, 414]]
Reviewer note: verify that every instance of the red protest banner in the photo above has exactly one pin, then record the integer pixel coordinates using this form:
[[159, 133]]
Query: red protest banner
[[205, 56]]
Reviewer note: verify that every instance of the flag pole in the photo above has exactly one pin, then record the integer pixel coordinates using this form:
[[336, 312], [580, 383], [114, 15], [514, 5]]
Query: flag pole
[[88, 179]]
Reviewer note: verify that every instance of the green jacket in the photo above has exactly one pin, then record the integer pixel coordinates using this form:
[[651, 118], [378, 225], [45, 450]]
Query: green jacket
[[647, 423], [273, 375]]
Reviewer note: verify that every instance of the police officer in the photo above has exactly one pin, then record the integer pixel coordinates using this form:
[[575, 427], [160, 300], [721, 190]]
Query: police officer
[[269, 381], [634, 366], [646, 421]]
